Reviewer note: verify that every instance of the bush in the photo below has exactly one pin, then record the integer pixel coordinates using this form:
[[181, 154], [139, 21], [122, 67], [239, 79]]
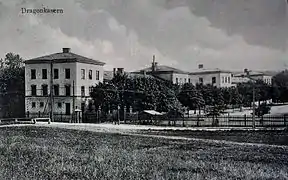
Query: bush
[[262, 109]]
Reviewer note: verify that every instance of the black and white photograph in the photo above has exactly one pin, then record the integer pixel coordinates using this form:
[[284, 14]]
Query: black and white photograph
[[143, 89]]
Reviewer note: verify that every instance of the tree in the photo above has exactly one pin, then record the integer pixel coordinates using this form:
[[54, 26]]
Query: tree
[[262, 110], [190, 97], [12, 86], [280, 87]]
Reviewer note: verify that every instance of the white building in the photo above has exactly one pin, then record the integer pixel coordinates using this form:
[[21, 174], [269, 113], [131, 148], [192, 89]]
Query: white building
[[241, 77], [216, 77], [70, 76]]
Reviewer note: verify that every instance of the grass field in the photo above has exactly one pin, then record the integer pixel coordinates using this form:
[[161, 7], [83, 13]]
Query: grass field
[[54, 153]]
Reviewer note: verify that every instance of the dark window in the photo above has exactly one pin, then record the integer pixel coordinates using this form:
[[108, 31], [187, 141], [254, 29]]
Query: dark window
[[82, 91], [44, 73], [67, 73], [228, 79], [90, 74], [213, 80], [82, 73], [185, 80], [222, 79], [59, 104], [56, 73], [201, 80], [33, 104], [67, 90], [41, 104], [33, 73], [97, 75], [189, 80], [44, 90], [225, 79], [90, 89], [177, 81], [33, 90], [56, 90]]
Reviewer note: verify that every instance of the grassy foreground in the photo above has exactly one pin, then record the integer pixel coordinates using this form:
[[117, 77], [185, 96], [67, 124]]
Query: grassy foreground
[[52, 153]]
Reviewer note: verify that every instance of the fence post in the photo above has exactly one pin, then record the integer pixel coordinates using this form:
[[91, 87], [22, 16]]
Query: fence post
[[28, 114], [61, 117], [38, 114], [285, 120], [124, 115], [197, 120], [245, 120], [183, 121]]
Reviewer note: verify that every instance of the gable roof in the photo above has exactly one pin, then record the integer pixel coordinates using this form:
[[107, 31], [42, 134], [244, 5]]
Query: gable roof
[[66, 57], [162, 69]]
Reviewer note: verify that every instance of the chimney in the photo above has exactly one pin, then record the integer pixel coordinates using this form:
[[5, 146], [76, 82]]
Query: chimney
[[120, 71], [66, 50], [200, 66], [153, 64], [114, 72]]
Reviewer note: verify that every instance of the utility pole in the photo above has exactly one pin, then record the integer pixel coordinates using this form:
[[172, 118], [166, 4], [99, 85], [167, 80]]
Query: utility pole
[[253, 97], [73, 99], [51, 92]]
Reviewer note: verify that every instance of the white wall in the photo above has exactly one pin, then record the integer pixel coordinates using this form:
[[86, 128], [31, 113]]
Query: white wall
[[181, 78], [87, 82], [207, 79]]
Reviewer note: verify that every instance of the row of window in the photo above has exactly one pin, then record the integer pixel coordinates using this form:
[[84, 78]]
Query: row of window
[[67, 74], [90, 74], [56, 88], [41, 105], [226, 79], [200, 80]]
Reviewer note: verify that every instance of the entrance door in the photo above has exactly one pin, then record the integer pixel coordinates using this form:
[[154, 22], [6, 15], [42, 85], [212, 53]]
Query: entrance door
[[67, 108]]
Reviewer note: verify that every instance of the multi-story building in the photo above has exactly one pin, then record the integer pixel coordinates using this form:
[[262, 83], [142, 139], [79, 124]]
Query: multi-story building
[[68, 75]]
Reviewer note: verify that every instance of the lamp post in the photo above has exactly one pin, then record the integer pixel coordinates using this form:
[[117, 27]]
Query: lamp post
[[253, 97]]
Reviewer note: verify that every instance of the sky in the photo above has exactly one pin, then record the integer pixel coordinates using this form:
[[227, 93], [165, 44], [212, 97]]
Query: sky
[[225, 34]]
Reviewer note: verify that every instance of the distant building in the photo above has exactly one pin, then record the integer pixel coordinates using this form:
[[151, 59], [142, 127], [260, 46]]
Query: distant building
[[241, 77], [71, 77], [216, 77], [171, 74]]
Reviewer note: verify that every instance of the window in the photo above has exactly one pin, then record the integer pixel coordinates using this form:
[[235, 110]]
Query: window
[[177, 81], [222, 79], [90, 89], [97, 75], [56, 90], [33, 90], [44, 90], [90, 74], [213, 80], [189, 80], [44, 73], [201, 80], [33, 73], [41, 104], [67, 73], [82, 73], [82, 91], [33, 104], [225, 79], [67, 90], [228, 79], [56, 73], [185, 80], [59, 104]]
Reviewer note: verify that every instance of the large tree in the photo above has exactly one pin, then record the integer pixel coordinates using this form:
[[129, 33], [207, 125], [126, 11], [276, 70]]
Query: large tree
[[12, 86]]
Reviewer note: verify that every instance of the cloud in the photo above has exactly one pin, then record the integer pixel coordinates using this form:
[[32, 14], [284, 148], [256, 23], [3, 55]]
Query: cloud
[[126, 33]]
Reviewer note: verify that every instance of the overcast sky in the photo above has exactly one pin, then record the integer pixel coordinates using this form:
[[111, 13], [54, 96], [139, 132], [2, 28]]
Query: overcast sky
[[226, 34]]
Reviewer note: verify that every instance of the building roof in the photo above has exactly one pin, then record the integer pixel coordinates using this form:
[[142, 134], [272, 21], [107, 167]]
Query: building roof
[[251, 74], [163, 69], [208, 71], [64, 57]]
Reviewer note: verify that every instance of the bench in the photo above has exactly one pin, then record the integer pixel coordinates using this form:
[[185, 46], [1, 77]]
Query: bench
[[42, 120]]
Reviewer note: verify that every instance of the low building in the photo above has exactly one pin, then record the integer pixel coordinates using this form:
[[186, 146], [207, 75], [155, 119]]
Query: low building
[[217, 77], [68, 75], [241, 77]]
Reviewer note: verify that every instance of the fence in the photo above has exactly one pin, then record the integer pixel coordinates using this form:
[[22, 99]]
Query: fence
[[193, 121]]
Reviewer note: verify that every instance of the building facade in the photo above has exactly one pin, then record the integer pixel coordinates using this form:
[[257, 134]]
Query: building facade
[[241, 77], [68, 75]]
